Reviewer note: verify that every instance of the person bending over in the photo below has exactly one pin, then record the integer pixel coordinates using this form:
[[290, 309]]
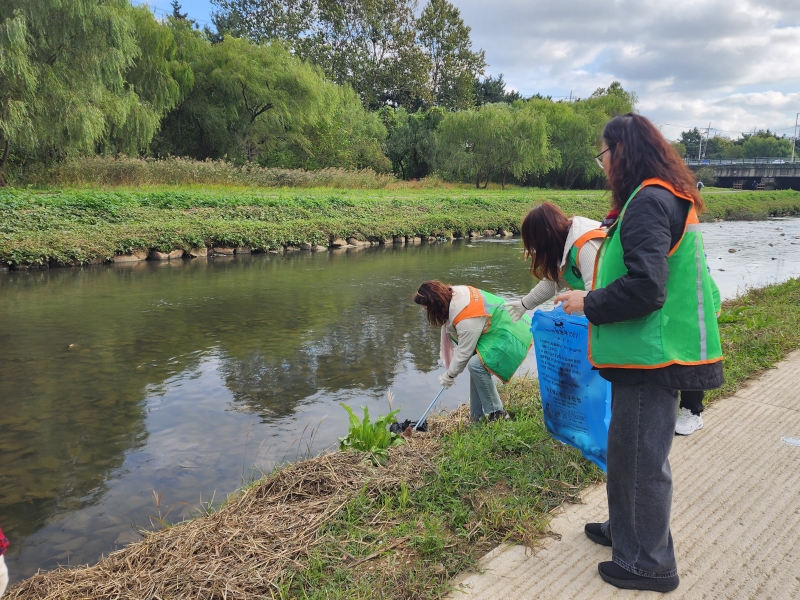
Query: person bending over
[[487, 341]]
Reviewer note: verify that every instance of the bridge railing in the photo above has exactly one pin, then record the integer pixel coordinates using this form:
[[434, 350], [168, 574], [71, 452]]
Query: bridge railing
[[767, 160]]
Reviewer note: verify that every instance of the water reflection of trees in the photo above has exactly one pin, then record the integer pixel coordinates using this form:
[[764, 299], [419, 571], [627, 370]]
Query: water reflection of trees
[[361, 350]]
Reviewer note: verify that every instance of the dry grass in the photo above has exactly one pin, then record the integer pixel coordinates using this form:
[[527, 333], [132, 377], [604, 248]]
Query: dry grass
[[250, 546], [107, 171]]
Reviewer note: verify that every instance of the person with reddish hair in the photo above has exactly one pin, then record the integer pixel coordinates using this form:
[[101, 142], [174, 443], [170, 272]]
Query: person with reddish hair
[[562, 252], [487, 341], [653, 331]]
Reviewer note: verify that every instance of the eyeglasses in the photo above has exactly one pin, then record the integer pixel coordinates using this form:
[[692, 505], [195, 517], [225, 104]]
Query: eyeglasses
[[597, 158]]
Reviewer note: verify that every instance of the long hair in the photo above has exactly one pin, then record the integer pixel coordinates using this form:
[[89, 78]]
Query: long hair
[[638, 152], [544, 233], [435, 296]]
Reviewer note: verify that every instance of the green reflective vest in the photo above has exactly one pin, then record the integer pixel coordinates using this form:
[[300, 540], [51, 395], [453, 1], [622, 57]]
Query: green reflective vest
[[684, 331], [503, 345], [571, 271]]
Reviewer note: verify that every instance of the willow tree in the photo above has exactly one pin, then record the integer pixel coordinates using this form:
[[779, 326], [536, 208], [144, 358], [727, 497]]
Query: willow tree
[[259, 103], [158, 77], [63, 86], [496, 139], [574, 132]]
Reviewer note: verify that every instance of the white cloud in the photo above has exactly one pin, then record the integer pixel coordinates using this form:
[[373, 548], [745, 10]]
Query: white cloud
[[735, 63]]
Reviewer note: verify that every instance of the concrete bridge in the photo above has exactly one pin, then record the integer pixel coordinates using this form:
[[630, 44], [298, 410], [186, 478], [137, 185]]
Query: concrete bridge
[[772, 173]]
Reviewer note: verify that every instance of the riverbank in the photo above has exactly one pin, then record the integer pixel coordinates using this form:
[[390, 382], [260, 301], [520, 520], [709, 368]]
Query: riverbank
[[50, 227], [335, 527]]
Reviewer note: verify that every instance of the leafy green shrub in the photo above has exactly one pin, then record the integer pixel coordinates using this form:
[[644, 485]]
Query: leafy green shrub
[[373, 438]]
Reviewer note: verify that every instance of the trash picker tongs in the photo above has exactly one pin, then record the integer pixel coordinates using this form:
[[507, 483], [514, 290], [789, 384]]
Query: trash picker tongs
[[427, 412]]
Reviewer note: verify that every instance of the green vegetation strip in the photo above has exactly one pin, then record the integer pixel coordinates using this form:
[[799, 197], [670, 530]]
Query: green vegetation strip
[[498, 481], [88, 225]]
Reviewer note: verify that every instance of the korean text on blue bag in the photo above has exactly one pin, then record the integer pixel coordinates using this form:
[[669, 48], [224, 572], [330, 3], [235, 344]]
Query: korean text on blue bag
[[576, 401]]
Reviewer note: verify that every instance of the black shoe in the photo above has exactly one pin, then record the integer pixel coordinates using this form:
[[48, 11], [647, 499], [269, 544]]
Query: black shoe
[[498, 415], [594, 532], [612, 573]]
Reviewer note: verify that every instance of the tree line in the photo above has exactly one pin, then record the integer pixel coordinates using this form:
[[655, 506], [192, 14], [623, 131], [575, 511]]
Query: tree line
[[283, 83], [693, 144]]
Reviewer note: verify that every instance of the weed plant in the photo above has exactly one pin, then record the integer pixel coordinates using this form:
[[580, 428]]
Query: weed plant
[[374, 438]]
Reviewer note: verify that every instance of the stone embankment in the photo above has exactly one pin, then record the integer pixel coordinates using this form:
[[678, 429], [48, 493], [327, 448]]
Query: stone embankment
[[351, 243]]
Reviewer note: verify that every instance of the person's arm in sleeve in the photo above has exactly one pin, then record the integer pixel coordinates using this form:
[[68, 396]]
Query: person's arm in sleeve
[[541, 292], [586, 259], [469, 332], [646, 238]]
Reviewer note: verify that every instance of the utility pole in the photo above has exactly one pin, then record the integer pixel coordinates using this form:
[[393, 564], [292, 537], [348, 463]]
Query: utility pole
[[794, 140], [700, 145], [700, 149]]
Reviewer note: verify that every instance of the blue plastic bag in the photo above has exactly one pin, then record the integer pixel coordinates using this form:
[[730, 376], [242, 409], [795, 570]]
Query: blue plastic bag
[[576, 401]]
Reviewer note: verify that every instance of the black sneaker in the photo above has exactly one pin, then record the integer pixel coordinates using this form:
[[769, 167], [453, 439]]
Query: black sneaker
[[612, 573], [594, 532], [498, 415]]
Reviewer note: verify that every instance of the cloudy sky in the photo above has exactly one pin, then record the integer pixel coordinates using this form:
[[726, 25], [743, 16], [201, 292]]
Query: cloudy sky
[[732, 63]]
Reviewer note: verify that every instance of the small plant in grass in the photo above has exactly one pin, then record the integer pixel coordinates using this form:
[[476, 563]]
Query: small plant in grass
[[373, 438]]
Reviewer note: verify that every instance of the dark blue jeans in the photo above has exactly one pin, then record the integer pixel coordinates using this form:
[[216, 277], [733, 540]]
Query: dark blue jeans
[[639, 478]]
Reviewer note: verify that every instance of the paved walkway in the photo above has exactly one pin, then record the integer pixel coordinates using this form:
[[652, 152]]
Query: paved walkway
[[735, 513]]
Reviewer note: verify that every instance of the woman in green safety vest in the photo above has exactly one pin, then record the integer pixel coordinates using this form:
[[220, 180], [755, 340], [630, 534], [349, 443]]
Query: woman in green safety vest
[[653, 331], [487, 341], [562, 253]]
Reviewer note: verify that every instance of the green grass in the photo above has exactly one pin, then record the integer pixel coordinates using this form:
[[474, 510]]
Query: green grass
[[488, 483], [76, 226], [498, 481], [758, 329]]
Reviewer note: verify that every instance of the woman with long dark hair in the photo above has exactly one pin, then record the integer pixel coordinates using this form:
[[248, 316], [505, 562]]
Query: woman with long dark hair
[[653, 332], [487, 341], [562, 252]]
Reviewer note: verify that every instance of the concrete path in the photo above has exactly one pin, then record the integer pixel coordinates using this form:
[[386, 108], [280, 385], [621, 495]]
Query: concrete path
[[735, 513]]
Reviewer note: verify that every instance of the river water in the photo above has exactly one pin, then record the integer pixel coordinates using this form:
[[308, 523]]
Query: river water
[[131, 394]]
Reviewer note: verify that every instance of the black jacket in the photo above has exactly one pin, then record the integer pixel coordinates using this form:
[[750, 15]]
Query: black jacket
[[652, 225]]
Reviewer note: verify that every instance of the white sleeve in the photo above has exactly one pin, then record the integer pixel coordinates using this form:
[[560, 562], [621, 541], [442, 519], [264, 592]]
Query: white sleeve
[[3, 575], [586, 260], [541, 292], [469, 332]]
